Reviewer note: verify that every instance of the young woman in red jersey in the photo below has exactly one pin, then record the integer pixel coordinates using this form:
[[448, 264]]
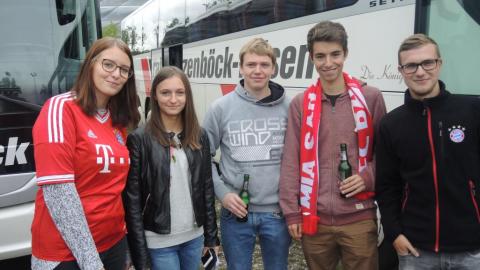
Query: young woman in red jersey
[[169, 197], [82, 165]]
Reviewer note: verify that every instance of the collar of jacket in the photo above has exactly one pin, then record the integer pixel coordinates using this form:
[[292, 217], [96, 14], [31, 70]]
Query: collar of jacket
[[432, 102], [170, 135]]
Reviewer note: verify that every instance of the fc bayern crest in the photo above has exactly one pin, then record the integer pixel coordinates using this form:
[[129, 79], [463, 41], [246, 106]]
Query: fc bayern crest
[[119, 137], [457, 134]]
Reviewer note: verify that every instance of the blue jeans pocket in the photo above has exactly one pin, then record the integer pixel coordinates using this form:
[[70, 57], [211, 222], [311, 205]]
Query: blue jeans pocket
[[225, 214]]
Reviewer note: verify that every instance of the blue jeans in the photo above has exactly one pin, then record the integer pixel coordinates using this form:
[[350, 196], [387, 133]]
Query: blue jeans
[[185, 256], [238, 240], [440, 261]]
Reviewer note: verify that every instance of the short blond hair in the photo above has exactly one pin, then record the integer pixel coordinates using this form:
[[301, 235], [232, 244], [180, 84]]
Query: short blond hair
[[416, 41], [258, 46]]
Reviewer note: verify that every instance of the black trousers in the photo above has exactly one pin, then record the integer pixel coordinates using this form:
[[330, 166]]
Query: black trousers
[[112, 259], [387, 256]]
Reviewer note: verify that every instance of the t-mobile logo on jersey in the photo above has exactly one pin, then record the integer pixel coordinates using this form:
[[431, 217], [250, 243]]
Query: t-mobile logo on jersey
[[104, 149], [105, 157]]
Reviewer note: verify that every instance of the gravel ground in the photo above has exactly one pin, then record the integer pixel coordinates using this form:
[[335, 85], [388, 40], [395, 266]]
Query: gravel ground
[[296, 260]]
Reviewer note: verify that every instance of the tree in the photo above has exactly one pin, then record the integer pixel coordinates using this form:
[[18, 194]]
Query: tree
[[125, 36], [143, 38], [174, 22], [111, 30], [130, 37]]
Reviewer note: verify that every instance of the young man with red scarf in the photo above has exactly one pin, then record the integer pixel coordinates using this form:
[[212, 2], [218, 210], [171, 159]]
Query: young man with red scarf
[[337, 109]]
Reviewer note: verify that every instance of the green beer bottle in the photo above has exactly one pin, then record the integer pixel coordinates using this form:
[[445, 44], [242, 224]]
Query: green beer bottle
[[344, 168], [244, 196]]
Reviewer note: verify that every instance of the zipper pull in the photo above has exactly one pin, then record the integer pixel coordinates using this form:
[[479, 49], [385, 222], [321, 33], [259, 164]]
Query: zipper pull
[[440, 127], [425, 108]]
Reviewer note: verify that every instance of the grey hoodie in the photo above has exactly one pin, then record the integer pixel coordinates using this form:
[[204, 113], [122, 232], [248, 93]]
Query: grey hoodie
[[250, 135]]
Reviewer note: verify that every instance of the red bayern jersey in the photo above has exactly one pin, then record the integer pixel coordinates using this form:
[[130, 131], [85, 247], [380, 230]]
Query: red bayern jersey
[[70, 146]]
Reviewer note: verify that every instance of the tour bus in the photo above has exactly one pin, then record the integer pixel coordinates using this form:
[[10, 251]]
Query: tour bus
[[204, 40], [41, 48]]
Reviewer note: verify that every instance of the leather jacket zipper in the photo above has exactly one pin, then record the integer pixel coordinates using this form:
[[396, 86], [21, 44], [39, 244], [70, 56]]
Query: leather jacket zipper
[[405, 198], [473, 195], [146, 203]]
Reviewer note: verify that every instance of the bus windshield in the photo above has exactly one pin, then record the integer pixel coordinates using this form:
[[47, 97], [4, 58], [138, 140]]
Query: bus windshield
[[40, 56], [455, 25], [43, 43]]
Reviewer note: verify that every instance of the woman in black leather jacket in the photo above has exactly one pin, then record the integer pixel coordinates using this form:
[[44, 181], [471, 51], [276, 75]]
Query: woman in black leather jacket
[[169, 197]]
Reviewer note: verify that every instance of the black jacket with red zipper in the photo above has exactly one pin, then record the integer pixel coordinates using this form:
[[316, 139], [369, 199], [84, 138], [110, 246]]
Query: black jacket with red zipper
[[428, 172]]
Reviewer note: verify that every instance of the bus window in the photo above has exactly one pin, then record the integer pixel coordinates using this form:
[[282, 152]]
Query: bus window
[[221, 18], [455, 26], [175, 58], [65, 11], [172, 19]]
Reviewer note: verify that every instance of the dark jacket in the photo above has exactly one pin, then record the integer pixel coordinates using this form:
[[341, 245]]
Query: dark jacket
[[428, 172], [147, 195]]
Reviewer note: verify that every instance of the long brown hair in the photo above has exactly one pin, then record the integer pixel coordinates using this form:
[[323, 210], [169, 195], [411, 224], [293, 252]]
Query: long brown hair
[[124, 105], [191, 127]]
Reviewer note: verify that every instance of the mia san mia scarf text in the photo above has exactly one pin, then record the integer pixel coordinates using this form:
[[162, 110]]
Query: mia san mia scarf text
[[312, 109]]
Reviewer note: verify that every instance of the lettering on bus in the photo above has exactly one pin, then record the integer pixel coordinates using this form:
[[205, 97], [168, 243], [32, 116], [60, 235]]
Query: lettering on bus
[[388, 73], [219, 66], [13, 151], [383, 2], [290, 62]]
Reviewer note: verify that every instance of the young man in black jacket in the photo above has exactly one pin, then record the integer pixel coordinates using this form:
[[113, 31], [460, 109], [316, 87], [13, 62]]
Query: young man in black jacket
[[428, 167]]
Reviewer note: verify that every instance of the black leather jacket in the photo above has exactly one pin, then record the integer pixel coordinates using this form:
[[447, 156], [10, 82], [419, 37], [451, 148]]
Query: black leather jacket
[[146, 195]]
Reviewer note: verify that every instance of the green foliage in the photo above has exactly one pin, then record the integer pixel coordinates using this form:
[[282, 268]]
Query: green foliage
[[130, 36], [125, 36], [134, 39], [111, 30]]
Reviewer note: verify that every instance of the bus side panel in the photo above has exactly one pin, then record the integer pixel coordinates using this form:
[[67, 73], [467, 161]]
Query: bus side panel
[[372, 57], [143, 81]]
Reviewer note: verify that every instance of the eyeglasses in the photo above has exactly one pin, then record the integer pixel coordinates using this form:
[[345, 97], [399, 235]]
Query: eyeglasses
[[427, 65], [110, 66]]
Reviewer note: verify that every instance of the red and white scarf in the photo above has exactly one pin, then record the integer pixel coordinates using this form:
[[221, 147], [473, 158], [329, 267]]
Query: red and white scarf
[[312, 109]]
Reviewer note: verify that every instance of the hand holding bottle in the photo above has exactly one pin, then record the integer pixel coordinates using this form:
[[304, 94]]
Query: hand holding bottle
[[352, 186], [233, 203], [245, 196]]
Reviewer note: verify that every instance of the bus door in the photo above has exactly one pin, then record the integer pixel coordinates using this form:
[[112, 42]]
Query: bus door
[[172, 56], [455, 25]]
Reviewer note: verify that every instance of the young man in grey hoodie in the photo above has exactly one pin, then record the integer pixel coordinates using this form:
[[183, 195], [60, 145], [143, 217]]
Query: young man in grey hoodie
[[249, 125]]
